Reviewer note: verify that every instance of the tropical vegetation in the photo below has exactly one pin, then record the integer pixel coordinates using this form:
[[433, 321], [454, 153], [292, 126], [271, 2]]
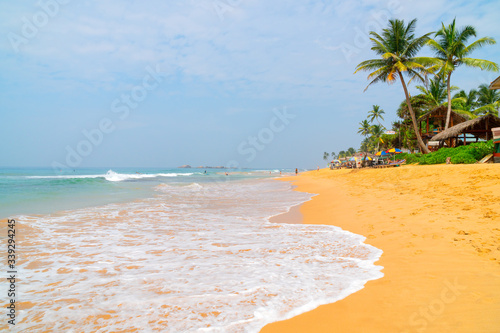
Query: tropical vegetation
[[451, 50], [463, 154], [398, 47]]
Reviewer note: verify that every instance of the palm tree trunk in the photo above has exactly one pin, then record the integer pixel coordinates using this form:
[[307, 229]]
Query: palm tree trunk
[[448, 113], [421, 143]]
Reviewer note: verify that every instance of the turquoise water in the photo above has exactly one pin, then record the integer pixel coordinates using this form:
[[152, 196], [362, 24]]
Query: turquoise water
[[43, 191]]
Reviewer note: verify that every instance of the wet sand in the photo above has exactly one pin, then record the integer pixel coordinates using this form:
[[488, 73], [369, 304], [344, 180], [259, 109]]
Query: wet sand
[[439, 228], [293, 216]]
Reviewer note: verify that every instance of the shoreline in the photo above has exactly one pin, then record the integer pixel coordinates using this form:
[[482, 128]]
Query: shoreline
[[439, 229], [293, 216]]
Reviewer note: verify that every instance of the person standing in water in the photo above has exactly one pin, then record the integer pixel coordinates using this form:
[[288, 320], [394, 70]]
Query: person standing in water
[[296, 171]]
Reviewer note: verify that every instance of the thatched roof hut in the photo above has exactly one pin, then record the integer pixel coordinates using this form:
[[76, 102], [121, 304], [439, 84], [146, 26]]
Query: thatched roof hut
[[438, 118], [495, 84], [479, 127], [440, 112]]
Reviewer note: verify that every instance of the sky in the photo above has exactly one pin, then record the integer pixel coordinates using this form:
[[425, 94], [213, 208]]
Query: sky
[[244, 83]]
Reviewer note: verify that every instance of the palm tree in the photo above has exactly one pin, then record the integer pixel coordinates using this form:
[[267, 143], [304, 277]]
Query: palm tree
[[451, 52], [398, 47], [351, 151], [488, 97], [342, 154], [435, 92], [364, 129], [376, 113], [468, 100], [469, 103], [365, 146], [333, 155], [376, 132], [325, 156]]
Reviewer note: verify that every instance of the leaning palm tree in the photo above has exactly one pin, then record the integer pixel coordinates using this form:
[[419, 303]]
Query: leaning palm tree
[[398, 47], [451, 51], [376, 113]]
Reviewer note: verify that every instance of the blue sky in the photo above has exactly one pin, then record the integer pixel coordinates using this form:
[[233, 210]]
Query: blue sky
[[251, 83]]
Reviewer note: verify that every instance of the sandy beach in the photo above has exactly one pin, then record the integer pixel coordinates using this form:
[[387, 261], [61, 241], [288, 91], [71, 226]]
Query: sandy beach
[[439, 228]]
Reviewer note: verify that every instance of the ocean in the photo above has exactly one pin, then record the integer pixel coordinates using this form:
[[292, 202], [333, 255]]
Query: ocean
[[170, 250]]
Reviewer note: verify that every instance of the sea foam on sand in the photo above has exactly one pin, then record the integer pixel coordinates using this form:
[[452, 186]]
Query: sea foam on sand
[[198, 257]]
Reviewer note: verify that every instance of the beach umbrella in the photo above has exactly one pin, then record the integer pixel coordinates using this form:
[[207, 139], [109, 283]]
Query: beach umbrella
[[394, 151], [382, 153]]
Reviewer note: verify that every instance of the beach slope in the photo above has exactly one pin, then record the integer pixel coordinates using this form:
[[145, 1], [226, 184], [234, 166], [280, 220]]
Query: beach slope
[[439, 228]]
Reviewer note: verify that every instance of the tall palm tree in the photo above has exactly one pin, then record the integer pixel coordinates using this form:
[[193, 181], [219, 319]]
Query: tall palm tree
[[451, 52], [333, 155], [325, 155], [376, 113], [398, 47]]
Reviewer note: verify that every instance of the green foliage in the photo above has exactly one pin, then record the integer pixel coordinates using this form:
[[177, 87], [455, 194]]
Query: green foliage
[[463, 157], [463, 154], [410, 158]]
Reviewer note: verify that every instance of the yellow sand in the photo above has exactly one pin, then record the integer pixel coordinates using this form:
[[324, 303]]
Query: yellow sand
[[439, 228]]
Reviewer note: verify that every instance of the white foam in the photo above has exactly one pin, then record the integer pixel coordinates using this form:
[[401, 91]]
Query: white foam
[[196, 258], [113, 176]]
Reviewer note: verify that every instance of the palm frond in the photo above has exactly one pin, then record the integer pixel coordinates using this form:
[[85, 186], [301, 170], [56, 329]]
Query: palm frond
[[438, 49], [466, 113], [368, 65], [479, 63], [478, 44]]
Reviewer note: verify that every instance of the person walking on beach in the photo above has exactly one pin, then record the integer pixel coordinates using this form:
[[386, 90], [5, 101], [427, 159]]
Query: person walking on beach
[[296, 171]]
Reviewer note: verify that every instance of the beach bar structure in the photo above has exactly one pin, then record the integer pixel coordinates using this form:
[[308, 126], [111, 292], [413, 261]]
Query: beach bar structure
[[479, 127], [437, 118]]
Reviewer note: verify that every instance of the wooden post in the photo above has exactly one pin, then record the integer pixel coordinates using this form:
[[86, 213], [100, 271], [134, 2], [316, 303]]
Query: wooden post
[[465, 139], [427, 128]]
